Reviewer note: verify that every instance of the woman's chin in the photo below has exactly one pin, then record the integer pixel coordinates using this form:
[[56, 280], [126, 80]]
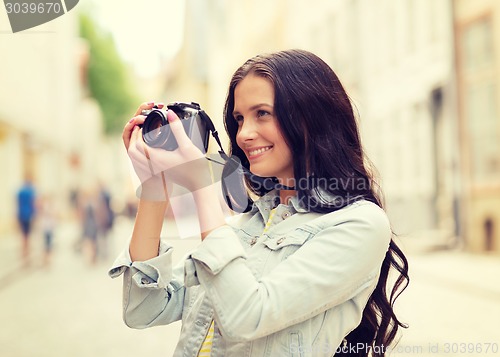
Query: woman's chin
[[258, 172]]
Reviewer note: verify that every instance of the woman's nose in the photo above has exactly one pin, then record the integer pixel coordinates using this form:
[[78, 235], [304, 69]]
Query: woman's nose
[[247, 132]]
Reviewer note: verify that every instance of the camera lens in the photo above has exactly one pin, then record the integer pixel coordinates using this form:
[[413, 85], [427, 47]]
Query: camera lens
[[155, 133]]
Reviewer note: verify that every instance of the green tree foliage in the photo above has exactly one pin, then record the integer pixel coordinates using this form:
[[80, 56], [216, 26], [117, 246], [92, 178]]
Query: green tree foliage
[[107, 76]]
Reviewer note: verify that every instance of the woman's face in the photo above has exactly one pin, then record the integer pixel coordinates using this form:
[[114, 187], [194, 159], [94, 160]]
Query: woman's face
[[259, 135]]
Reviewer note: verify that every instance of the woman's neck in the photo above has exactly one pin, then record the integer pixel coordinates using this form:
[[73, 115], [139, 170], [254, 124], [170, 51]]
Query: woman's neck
[[285, 195]]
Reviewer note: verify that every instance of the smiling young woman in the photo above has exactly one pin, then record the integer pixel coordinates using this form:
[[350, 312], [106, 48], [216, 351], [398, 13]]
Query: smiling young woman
[[304, 271]]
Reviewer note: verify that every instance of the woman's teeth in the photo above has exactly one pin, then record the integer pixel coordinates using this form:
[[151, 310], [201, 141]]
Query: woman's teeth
[[259, 151]]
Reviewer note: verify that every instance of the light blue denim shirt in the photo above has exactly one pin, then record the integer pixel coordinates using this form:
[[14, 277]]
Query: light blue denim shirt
[[296, 290]]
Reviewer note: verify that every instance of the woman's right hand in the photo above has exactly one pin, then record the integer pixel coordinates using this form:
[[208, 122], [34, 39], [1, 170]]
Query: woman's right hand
[[153, 187], [155, 167]]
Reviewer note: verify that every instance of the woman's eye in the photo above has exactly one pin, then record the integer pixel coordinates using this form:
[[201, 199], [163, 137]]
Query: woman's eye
[[239, 119], [261, 113]]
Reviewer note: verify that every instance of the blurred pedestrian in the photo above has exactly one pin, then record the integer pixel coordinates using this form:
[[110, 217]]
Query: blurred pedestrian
[[47, 220], [105, 220], [26, 201], [90, 227], [74, 200]]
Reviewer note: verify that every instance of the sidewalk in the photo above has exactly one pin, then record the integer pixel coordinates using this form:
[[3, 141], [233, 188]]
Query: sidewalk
[[55, 311], [10, 253], [11, 262], [454, 266], [453, 300]]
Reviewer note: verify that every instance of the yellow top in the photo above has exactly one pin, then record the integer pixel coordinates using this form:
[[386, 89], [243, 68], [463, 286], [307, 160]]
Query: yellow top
[[206, 347], [269, 220]]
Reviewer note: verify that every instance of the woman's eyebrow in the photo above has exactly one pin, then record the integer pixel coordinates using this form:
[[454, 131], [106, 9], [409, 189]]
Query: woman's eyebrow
[[253, 107]]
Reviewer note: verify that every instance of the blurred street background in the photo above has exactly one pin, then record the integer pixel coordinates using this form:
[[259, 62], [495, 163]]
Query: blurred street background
[[424, 76]]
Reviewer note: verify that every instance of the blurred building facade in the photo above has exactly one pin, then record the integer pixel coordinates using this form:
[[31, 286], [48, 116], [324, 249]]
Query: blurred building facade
[[50, 130], [397, 60], [477, 26]]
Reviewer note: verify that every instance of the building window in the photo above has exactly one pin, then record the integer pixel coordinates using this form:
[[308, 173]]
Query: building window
[[410, 26], [481, 124], [477, 45], [483, 130]]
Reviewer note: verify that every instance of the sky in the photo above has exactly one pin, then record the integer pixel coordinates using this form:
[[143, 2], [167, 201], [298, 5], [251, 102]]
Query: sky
[[146, 32]]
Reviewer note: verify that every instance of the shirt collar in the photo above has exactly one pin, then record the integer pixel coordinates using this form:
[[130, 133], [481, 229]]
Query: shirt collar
[[297, 205], [266, 203], [272, 199]]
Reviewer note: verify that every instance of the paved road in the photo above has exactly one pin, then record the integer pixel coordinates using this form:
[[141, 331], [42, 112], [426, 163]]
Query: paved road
[[74, 309], [452, 305]]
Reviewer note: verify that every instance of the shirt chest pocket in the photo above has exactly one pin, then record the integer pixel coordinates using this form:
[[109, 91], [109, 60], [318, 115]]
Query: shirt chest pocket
[[282, 246]]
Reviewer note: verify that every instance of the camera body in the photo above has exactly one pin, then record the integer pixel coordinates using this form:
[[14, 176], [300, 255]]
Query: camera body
[[156, 130]]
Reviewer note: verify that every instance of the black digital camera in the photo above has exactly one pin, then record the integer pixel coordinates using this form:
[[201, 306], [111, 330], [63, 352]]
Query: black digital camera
[[156, 130]]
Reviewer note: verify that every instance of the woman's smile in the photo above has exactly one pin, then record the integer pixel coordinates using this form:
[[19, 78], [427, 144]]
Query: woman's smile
[[253, 154]]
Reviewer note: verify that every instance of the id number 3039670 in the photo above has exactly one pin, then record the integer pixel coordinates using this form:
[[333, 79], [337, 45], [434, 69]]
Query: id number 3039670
[[476, 348], [33, 8]]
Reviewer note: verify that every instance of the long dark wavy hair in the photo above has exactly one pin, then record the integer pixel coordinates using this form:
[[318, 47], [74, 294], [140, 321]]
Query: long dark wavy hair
[[317, 120]]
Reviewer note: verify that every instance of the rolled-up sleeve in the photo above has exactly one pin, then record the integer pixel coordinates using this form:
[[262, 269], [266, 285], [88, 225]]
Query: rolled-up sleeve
[[153, 292], [153, 273], [217, 250]]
